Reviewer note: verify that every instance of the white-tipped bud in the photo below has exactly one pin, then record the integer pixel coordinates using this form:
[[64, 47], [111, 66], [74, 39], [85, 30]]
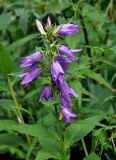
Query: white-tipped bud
[[40, 27], [48, 24]]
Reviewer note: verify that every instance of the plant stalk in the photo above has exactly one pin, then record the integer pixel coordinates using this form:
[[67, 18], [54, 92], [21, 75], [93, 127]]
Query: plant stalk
[[84, 147], [87, 42], [18, 112]]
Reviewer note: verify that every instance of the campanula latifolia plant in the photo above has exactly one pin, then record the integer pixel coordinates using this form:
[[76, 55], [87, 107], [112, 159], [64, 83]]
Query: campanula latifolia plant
[[53, 62], [57, 79]]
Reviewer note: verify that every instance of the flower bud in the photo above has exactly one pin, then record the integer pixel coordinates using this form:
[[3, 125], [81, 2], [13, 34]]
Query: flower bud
[[40, 27]]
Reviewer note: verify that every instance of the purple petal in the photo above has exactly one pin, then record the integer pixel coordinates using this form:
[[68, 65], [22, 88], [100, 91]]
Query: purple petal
[[31, 75], [66, 90], [31, 60], [25, 62], [71, 59], [22, 75], [56, 70], [65, 101], [64, 87], [46, 92], [66, 50], [60, 79], [62, 61], [35, 56], [68, 29], [73, 93], [67, 114], [70, 52]]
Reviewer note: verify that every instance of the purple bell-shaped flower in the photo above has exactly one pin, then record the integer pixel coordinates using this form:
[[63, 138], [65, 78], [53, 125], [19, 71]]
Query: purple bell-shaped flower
[[46, 92]]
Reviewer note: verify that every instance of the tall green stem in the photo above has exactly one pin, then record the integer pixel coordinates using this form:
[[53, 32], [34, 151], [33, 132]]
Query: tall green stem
[[18, 112], [84, 147]]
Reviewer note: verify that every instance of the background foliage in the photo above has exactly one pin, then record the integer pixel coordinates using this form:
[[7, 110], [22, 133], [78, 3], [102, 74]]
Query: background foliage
[[41, 135]]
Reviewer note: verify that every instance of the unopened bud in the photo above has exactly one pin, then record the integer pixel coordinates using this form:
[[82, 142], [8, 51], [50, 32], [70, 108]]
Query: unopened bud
[[48, 24], [40, 27]]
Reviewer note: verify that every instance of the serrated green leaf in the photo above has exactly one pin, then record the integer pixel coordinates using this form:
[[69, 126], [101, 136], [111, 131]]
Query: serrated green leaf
[[52, 146], [90, 94], [6, 124], [36, 130], [48, 137], [10, 139], [80, 129], [98, 77], [22, 41]]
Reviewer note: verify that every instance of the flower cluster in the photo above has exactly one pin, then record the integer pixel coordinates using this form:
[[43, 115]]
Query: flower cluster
[[59, 62]]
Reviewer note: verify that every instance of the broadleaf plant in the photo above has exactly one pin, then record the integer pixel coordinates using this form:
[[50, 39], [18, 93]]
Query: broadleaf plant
[[57, 80]]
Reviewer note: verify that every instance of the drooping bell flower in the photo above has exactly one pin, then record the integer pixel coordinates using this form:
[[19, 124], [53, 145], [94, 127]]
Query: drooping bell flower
[[68, 51], [66, 91], [46, 92], [63, 62], [68, 29], [65, 101], [67, 114], [56, 71], [30, 75], [71, 57], [30, 61]]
